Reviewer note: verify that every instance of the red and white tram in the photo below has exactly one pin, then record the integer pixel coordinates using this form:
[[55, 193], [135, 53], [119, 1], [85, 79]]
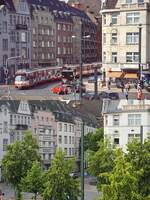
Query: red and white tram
[[25, 78]]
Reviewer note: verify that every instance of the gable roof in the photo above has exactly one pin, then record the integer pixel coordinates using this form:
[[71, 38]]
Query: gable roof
[[9, 4]]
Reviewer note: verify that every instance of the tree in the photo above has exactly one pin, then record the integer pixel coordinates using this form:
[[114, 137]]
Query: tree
[[33, 182], [122, 181], [91, 140], [18, 160], [59, 184], [139, 156], [101, 160]]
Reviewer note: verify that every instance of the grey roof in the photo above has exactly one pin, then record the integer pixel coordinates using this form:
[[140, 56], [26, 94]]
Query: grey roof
[[110, 106], [9, 4], [12, 105]]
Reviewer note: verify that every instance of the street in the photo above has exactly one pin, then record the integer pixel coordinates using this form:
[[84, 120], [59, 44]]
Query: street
[[43, 92], [90, 193]]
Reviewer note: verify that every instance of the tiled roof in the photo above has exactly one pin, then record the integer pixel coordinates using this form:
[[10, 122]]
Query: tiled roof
[[110, 4], [56, 7], [9, 4]]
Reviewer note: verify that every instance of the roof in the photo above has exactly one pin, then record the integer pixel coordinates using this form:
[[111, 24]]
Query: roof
[[63, 112], [11, 105], [9, 4], [110, 4], [56, 7]]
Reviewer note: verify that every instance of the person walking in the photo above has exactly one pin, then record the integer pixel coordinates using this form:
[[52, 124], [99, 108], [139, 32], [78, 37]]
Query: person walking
[[127, 86], [126, 94], [122, 86]]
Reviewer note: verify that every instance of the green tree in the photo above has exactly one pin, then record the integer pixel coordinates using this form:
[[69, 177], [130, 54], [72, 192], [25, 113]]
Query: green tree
[[123, 181], [101, 160], [18, 160], [91, 140], [33, 182], [59, 184], [139, 156]]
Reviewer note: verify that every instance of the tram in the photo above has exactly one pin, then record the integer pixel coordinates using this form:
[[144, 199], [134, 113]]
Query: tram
[[25, 78]]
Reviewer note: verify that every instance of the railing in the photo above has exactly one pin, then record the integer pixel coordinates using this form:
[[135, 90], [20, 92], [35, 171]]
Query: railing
[[134, 5]]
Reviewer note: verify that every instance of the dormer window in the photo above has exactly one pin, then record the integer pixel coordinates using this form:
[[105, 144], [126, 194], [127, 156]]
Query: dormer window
[[22, 5]]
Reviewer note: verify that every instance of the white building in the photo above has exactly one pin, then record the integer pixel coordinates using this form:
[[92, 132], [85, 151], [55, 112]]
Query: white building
[[123, 121], [120, 36]]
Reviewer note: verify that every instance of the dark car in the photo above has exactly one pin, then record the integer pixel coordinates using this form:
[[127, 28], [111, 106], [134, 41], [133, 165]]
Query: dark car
[[104, 95], [90, 96], [113, 95]]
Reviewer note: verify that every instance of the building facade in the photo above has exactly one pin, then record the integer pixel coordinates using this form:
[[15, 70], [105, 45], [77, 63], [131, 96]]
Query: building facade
[[121, 24], [126, 120], [15, 39]]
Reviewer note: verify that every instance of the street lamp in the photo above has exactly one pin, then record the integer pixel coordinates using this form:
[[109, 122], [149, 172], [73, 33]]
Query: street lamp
[[140, 36], [81, 60]]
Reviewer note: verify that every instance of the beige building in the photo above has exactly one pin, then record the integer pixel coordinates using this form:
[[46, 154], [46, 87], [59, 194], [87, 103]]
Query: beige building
[[121, 20]]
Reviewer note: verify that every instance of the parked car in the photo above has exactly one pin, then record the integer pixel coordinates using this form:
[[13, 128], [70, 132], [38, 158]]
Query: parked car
[[60, 89], [113, 95], [90, 96]]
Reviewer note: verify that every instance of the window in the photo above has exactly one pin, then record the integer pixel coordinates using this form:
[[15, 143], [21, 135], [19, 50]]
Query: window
[[42, 43], [69, 139], [12, 52], [104, 38], [4, 27], [43, 56], [114, 57], [132, 38], [66, 151], [58, 26], [65, 127], [114, 18], [116, 140], [24, 52], [5, 127], [65, 139], [5, 44], [64, 27], [104, 57], [106, 120], [5, 143], [114, 38], [59, 50], [115, 120], [134, 119], [133, 136], [104, 19], [23, 37], [34, 43], [60, 139], [132, 18], [73, 140], [132, 57], [60, 126], [70, 151], [128, 1], [4, 59], [140, 1]]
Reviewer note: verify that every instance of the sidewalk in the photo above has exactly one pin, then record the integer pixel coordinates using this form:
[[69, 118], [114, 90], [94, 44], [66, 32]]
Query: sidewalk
[[113, 88]]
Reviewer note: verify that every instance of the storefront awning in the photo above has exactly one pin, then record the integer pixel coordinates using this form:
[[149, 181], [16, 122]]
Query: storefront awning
[[131, 75], [114, 74]]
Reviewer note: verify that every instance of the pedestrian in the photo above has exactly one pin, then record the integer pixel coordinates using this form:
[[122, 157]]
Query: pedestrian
[[122, 86], [127, 86], [126, 94]]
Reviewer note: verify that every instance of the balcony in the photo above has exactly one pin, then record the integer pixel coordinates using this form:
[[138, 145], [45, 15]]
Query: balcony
[[21, 27], [135, 6], [47, 150]]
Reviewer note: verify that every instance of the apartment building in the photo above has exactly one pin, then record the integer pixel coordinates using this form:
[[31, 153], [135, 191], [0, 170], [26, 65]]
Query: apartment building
[[122, 21], [43, 36], [126, 120], [15, 38], [15, 119]]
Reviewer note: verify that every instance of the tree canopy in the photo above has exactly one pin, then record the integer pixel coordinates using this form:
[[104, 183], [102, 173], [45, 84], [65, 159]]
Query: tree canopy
[[18, 160], [59, 184]]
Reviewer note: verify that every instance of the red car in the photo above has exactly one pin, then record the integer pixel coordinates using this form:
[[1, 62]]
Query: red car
[[60, 89]]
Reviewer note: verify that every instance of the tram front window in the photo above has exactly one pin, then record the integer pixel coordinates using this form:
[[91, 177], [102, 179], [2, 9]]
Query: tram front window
[[20, 78]]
